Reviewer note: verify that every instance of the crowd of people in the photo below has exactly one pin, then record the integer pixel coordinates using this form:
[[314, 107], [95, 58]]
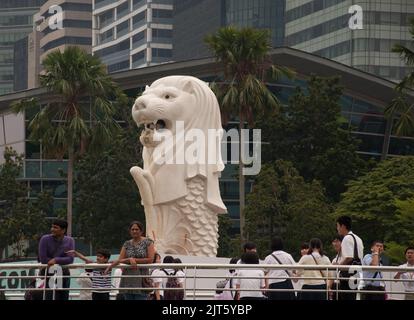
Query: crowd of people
[[316, 284], [141, 283]]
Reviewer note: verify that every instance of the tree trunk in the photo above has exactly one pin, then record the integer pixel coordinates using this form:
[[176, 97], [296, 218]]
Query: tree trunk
[[70, 192], [241, 181]]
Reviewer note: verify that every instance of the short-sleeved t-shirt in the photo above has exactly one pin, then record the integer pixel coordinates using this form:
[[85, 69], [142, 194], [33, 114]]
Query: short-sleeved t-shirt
[[246, 282], [159, 276], [347, 247], [279, 275], [138, 251], [409, 286]]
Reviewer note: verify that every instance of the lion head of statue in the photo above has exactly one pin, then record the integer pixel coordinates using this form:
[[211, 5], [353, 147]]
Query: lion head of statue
[[178, 104]]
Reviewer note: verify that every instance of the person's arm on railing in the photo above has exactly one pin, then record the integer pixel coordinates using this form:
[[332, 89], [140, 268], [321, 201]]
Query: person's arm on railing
[[121, 259], [68, 259]]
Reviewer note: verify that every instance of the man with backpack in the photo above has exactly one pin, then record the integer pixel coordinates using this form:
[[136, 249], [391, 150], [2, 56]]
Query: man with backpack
[[170, 281], [352, 250]]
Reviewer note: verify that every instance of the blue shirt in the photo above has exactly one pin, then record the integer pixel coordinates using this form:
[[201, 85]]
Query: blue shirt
[[371, 273]]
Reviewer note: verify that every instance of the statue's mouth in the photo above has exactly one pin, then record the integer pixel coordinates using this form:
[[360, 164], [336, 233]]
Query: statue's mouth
[[156, 125]]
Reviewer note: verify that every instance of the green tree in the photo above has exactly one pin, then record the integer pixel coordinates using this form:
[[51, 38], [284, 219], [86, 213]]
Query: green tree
[[107, 198], [283, 204], [402, 107], [247, 64], [310, 133], [379, 202], [80, 117], [20, 218]]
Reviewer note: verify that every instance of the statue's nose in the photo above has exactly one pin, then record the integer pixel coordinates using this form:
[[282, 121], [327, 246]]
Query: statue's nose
[[140, 104]]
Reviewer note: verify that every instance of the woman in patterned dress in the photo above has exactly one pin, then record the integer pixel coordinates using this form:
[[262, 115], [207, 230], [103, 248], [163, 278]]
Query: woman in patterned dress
[[138, 250]]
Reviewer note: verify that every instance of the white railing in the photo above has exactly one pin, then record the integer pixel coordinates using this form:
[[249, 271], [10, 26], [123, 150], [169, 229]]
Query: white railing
[[200, 279]]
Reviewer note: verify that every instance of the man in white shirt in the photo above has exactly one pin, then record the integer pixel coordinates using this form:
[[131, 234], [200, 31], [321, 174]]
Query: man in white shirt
[[352, 251], [408, 285], [279, 278]]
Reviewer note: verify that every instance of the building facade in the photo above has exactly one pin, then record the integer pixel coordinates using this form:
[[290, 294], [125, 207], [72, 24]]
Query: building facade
[[194, 19], [132, 33], [16, 22], [322, 27], [58, 25]]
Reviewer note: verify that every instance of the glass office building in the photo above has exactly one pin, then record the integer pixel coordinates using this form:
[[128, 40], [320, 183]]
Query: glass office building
[[16, 22], [322, 27], [194, 19], [132, 33]]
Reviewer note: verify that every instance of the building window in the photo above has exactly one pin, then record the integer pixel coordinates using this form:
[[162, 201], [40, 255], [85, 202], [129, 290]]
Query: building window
[[161, 33], [162, 13], [122, 29], [106, 36], [161, 53], [138, 56], [123, 65]]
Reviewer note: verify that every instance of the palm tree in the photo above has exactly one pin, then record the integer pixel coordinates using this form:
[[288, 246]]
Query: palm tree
[[245, 56], [81, 116], [402, 106]]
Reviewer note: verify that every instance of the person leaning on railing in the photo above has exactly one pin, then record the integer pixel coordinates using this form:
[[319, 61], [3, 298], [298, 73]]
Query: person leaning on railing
[[52, 250], [138, 250], [404, 275]]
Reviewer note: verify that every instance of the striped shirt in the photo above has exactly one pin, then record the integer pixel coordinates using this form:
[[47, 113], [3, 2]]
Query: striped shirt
[[101, 281]]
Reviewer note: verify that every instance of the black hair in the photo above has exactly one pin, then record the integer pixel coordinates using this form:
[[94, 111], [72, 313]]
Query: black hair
[[316, 243], [304, 245], [373, 243], [233, 260], [104, 252], [276, 244], [178, 260], [338, 237], [139, 224], [249, 246], [409, 248], [63, 224], [250, 258], [168, 259], [345, 221]]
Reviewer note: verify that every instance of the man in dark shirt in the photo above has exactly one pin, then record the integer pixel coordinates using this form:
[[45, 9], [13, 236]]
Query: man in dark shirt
[[52, 251]]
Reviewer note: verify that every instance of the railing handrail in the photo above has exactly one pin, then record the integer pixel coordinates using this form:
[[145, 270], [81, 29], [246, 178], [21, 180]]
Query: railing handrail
[[331, 267]]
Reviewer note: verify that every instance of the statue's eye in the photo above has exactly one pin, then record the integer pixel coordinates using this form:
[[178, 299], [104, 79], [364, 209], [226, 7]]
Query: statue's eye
[[168, 96]]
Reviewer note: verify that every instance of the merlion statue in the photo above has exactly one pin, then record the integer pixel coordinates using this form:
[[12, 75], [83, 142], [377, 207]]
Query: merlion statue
[[179, 183]]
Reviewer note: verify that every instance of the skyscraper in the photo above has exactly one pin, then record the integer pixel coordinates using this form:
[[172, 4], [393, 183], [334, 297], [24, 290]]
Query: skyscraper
[[322, 27], [132, 33], [193, 20], [16, 22]]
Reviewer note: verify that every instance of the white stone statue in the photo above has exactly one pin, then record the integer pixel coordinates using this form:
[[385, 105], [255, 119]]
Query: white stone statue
[[179, 183]]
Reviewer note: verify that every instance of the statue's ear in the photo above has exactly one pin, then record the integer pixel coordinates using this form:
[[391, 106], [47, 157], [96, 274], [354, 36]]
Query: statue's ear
[[189, 87], [146, 88]]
